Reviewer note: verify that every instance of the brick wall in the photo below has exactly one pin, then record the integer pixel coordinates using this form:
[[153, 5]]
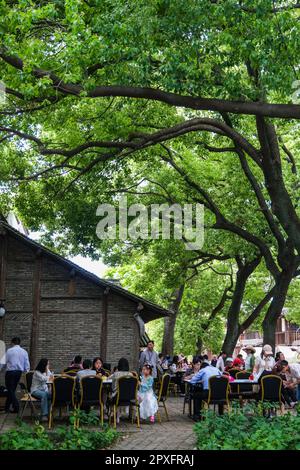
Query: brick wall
[[70, 311]]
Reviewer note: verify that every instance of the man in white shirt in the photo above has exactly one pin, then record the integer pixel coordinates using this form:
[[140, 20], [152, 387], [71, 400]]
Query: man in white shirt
[[293, 370], [220, 363], [17, 362], [87, 370]]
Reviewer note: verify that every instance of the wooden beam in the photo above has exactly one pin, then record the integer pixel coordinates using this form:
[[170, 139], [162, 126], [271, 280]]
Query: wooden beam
[[103, 338], [3, 269], [72, 284], [36, 300]]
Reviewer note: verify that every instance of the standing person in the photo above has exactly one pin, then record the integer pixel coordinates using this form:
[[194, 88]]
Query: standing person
[[39, 387], [146, 396], [149, 356], [220, 363], [265, 362], [250, 359], [214, 360], [17, 361]]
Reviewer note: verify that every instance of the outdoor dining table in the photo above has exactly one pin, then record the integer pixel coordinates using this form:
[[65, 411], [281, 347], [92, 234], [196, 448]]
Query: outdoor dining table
[[244, 381]]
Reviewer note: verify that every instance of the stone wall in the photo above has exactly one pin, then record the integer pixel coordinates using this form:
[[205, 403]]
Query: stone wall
[[71, 311]]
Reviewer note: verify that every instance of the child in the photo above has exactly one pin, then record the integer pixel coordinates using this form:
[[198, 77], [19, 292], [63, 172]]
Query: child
[[147, 399]]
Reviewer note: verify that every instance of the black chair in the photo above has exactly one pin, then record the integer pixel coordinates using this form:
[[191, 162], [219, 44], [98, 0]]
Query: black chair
[[191, 392], [107, 367], [27, 398], [71, 372], [63, 394], [218, 392], [90, 394], [271, 389], [163, 395], [127, 389], [246, 390]]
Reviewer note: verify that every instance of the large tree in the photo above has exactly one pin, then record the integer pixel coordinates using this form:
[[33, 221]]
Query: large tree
[[94, 86]]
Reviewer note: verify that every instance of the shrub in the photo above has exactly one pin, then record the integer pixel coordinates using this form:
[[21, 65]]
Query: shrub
[[25, 437], [248, 431]]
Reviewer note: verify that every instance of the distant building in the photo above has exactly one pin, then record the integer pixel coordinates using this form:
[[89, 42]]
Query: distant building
[[287, 334]]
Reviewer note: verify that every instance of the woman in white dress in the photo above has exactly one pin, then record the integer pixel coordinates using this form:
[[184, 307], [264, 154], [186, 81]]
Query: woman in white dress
[[264, 362], [146, 396]]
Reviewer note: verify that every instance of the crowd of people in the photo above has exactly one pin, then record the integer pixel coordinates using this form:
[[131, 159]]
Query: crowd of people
[[17, 362], [196, 370]]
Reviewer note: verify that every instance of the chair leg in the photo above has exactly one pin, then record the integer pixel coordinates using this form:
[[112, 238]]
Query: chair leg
[[138, 416], [115, 416], [50, 419], [159, 416], [77, 418], [22, 411], [166, 411], [101, 413]]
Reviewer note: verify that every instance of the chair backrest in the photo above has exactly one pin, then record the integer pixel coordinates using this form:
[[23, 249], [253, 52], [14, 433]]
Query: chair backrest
[[127, 388], [233, 372], [243, 375], [107, 367], [164, 387], [28, 380], [63, 390], [134, 373], [270, 388], [219, 388], [91, 389], [71, 373]]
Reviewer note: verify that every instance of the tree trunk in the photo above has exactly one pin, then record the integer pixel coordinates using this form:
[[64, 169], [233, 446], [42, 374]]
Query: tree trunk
[[170, 323], [233, 328], [199, 346], [276, 306], [230, 340]]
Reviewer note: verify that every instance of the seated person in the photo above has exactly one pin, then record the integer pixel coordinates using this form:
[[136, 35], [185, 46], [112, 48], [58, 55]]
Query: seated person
[[98, 367], [87, 370], [290, 375], [76, 364], [228, 364], [202, 377], [196, 364], [122, 371], [39, 386]]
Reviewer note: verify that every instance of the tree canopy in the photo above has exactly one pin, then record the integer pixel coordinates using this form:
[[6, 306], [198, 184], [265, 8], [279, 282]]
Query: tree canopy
[[164, 101]]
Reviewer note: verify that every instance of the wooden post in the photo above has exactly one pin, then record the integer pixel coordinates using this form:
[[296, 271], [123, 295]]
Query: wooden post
[[3, 267], [36, 300], [103, 339]]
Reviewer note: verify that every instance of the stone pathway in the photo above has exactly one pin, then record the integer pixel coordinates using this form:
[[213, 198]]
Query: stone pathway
[[176, 434]]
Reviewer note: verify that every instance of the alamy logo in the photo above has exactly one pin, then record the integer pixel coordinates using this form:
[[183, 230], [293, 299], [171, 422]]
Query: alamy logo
[[159, 221]]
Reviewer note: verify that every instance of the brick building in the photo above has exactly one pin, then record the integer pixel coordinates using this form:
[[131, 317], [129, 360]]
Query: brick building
[[59, 309]]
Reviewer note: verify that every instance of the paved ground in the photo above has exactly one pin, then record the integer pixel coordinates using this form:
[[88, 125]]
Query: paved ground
[[176, 434]]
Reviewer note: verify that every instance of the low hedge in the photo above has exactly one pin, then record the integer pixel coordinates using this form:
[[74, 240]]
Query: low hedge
[[244, 430]]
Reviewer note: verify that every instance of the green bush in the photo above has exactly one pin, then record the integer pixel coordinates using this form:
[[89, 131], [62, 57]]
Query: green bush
[[25, 437], [248, 431]]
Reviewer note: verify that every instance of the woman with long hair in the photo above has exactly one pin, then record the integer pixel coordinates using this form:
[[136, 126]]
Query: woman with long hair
[[39, 387]]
